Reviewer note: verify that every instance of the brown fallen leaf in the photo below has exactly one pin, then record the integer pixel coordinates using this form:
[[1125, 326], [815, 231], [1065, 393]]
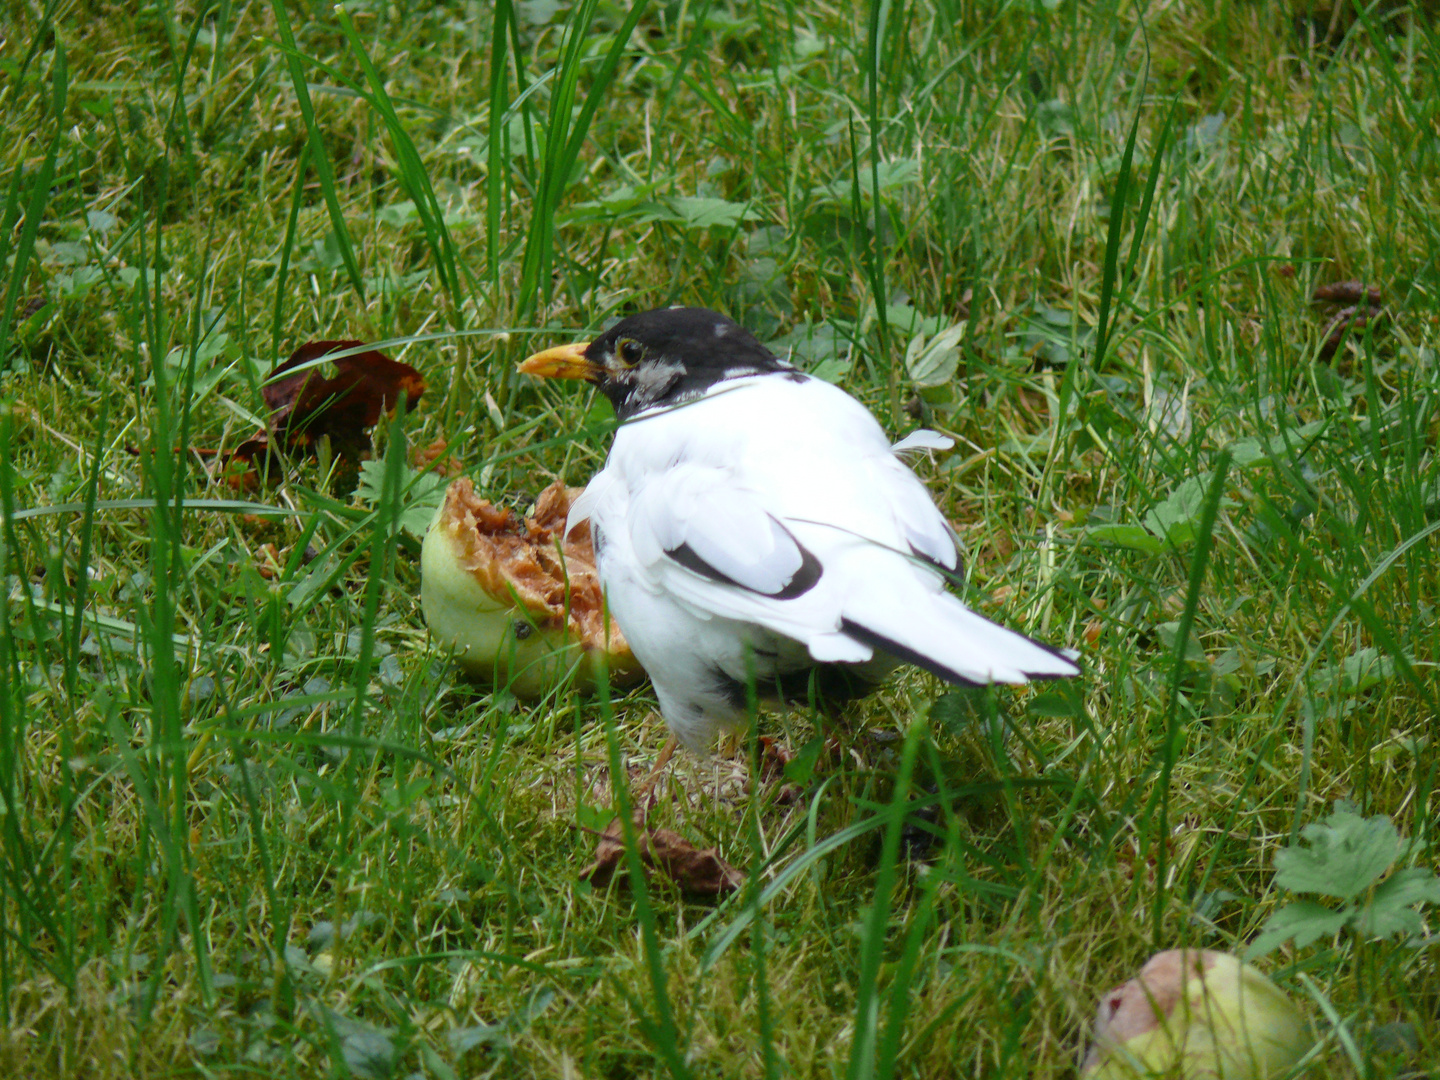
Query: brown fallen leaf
[[608, 854], [434, 459], [1348, 322], [774, 756], [306, 405], [699, 871], [695, 870], [1362, 310], [268, 562], [1348, 292]]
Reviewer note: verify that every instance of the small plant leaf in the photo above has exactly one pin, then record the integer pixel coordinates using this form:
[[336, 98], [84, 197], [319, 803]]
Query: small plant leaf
[[1347, 855], [1391, 910], [695, 212], [819, 348], [1057, 704], [933, 361], [800, 768], [1305, 921], [1134, 537], [1173, 520], [1357, 673], [1170, 635], [891, 175], [420, 493]]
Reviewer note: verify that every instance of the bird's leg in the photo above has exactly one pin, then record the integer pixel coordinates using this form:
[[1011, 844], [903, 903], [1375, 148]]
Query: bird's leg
[[731, 743], [642, 793]]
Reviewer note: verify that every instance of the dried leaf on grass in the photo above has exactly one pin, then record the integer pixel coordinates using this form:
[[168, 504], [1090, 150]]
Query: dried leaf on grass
[[1348, 292], [306, 405], [435, 458], [1363, 309], [609, 853], [699, 871], [774, 756], [696, 870]]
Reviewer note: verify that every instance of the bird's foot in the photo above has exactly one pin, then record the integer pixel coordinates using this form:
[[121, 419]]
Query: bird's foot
[[644, 794]]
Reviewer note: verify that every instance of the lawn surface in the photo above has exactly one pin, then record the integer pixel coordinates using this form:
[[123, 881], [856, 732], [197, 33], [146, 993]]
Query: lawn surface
[[254, 823]]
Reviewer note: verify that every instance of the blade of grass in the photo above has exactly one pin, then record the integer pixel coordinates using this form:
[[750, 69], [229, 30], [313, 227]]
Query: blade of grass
[[1147, 199], [287, 246], [564, 140], [24, 882], [324, 171], [1174, 727], [39, 191], [759, 980], [411, 171], [497, 170], [873, 937], [661, 1029], [166, 763]]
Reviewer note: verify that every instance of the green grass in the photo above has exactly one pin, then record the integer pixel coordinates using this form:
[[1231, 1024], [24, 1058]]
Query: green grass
[[205, 770]]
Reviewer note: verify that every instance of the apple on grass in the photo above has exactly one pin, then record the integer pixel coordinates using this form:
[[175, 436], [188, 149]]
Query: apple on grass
[[1196, 1014], [516, 599]]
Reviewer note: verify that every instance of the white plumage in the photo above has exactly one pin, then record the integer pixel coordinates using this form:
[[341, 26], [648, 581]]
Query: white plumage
[[763, 525]]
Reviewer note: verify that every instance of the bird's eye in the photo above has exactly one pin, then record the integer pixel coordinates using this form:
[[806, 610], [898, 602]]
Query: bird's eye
[[630, 351]]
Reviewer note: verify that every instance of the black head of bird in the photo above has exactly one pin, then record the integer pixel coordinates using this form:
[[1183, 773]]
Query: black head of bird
[[663, 357]]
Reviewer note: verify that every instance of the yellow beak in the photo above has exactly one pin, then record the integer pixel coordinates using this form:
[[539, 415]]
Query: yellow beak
[[563, 362]]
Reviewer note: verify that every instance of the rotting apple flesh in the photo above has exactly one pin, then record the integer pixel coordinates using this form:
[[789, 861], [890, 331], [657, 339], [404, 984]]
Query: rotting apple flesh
[[518, 602]]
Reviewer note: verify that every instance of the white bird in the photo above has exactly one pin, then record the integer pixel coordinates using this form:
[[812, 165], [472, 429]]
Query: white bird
[[753, 523]]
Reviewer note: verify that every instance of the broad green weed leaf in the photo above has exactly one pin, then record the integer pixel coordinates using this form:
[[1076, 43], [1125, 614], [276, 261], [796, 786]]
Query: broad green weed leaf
[[1382, 922], [695, 212], [1391, 910], [420, 494], [1305, 921], [1169, 632], [891, 174], [1173, 520], [1134, 537], [1347, 855], [819, 348], [800, 768], [1357, 673], [903, 318], [933, 361], [1054, 704]]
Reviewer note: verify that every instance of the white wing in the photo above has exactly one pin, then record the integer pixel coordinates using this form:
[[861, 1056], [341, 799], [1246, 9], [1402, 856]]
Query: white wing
[[806, 526]]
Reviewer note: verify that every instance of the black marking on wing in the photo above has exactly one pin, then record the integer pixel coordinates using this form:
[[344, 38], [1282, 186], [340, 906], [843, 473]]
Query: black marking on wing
[[801, 582], [866, 636], [957, 574]]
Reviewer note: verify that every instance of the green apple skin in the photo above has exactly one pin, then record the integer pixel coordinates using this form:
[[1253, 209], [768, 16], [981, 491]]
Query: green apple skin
[[500, 644], [1225, 1021]]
